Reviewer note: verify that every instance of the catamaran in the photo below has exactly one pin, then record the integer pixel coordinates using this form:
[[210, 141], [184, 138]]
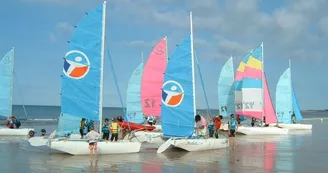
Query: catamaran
[[286, 103], [226, 92], [6, 92], [252, 97], [179, 102], [151, 92], [82, 87]]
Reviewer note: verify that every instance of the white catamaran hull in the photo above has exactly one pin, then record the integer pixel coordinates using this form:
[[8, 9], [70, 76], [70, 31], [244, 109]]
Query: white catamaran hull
[[296, 126], [262, 130], [224, 127], [81, 147], [145, 136], [14, 132], [200, 144]]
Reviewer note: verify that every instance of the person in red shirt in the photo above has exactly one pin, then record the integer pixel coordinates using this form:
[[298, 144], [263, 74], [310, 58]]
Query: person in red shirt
[[217, 123], [238, 119]]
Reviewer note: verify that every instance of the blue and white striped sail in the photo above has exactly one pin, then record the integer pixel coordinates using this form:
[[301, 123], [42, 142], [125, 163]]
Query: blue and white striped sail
[[6, 81], [80, 89], [296, 109], [284, 105], [177, 93], [226, 89], [133, 99]]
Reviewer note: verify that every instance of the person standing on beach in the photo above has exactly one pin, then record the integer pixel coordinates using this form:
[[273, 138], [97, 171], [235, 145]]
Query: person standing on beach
[[233, 127], [211, 127], [105, 129], [218, 123], [93, 138], [82, 127], [114, 128]]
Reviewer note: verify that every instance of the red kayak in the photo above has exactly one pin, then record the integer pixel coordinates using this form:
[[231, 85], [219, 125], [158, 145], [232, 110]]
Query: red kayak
[[135, 126]]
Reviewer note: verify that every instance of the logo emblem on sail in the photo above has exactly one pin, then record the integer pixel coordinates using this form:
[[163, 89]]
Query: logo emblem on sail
[[76, 64], [172, 93]]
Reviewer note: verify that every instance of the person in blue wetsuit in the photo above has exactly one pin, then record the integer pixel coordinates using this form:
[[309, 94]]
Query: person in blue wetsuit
[[105, 129], [233, 126]]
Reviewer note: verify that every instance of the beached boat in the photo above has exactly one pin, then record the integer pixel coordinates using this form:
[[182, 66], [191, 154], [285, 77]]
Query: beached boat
[[179, 102], [287, 105], [148, 102], [247, 130], [6, 91], [226, 91], [82, 88], [250, 86]]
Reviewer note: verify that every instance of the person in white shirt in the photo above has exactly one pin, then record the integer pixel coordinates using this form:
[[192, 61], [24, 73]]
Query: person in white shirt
[[93, 138]]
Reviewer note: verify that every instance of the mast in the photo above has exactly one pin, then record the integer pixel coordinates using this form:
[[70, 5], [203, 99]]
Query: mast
[[262, 86], [291, 84], [192, 63], [102, 66], [12, 83], [167, 56]]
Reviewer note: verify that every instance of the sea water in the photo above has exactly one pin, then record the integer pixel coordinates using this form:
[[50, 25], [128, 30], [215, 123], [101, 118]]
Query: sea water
[[300, 151]]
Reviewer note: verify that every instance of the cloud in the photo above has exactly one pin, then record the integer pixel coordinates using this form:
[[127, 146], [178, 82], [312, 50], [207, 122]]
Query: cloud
[[239, 25]]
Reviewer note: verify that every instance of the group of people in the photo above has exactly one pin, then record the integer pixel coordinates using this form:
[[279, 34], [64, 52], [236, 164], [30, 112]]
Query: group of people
[[109, 130], [12, 122], [215, 125]]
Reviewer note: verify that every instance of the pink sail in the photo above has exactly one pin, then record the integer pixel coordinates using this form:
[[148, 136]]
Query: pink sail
[[152, 80], [248, 72], [269, 113]]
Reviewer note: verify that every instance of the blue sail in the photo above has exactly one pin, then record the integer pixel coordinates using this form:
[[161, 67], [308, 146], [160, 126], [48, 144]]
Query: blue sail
[[296, 109], [6, 80], [133, 102], [177, 93], [284, 106], [226, 90], [68, 124], [80, 95]]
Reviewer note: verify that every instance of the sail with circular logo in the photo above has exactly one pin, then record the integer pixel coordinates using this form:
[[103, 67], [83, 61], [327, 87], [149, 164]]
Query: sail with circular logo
[[178, 109], [80, 89]]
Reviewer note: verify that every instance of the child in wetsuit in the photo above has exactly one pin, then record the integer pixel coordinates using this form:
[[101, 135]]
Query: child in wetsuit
[[105, 129]]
